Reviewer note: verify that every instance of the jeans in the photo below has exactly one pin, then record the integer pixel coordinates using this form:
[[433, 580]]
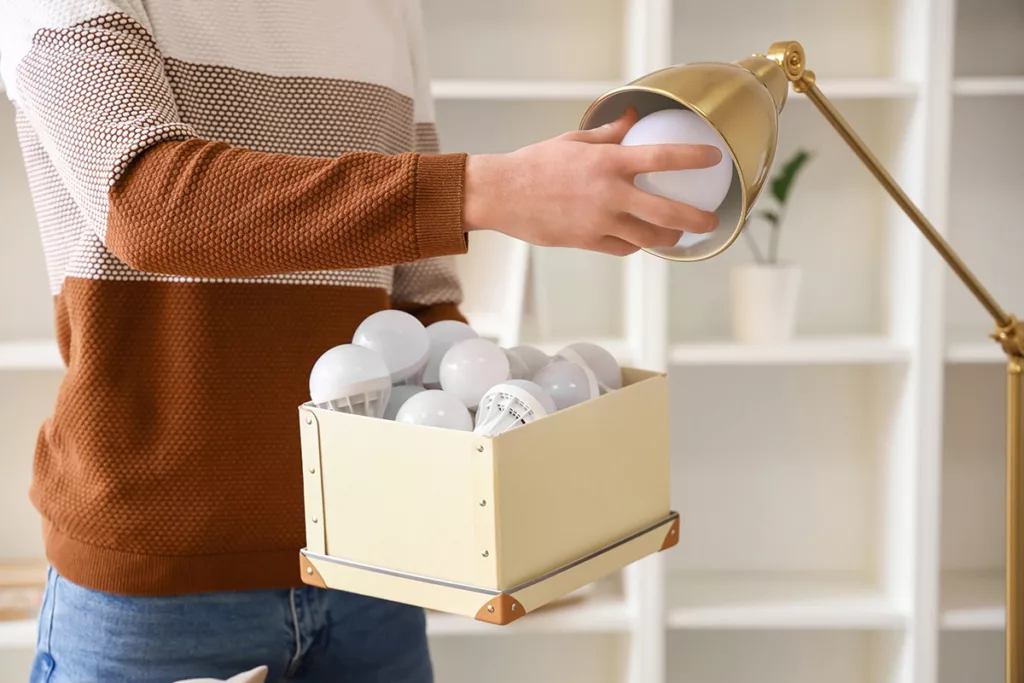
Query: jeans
[[303, 634]]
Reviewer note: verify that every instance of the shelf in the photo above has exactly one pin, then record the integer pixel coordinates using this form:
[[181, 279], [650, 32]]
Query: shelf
[[810, 351], [520, 90], [837, 89], [35, 354], [972, 601], [984, 87], [975, 352], [785, 601], [595, 615]]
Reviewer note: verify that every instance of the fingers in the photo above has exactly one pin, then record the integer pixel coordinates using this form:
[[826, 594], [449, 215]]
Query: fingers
[[608, 134], [646, 235], [615, 246], [660, 211], [669, 157]]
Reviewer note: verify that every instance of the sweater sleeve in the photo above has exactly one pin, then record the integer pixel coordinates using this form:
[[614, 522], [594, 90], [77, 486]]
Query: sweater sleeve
[[429, 288], [164, 200]]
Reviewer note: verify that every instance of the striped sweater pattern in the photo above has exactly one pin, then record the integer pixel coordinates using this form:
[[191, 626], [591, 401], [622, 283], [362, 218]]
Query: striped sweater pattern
[[224, 190]]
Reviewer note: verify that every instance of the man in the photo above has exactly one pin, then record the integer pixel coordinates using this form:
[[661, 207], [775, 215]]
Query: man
[[225, 190]]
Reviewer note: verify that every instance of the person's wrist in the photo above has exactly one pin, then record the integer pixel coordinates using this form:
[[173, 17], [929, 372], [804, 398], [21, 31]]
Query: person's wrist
[[482, 177]]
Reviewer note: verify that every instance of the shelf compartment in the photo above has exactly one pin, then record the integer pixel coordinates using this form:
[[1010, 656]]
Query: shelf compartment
[[972, 657], [828, 38], [983, 217], [810, 656], [18, 634], [838, 229], [30, 354], [527, 39], [533, 657], [806, 351], [796, 485], [779, 601], [987, 40], [973, 601]]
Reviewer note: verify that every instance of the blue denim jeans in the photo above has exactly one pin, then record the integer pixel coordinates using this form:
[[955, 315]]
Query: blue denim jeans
[[304, 634]]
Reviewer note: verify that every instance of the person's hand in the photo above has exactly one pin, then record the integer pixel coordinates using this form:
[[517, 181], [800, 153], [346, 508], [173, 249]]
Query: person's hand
[[576, 190]]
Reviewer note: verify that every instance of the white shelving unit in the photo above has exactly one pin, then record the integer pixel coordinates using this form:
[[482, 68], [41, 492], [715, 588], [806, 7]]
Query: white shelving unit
[[841, 496]]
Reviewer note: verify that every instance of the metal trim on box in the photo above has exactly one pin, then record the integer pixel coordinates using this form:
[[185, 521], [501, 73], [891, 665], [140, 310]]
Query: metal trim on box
[[501, 607]]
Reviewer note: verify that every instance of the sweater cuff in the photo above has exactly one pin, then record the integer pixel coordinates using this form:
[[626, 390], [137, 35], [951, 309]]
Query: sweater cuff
[[440, 180]]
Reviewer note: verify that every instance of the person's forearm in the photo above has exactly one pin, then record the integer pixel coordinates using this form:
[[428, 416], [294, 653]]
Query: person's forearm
[[205, 209]]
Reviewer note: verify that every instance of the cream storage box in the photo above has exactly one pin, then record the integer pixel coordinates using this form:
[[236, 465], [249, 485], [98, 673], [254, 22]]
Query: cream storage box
[[487, 527]]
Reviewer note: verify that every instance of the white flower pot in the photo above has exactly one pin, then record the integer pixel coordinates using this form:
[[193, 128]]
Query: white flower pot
[[764, 299]]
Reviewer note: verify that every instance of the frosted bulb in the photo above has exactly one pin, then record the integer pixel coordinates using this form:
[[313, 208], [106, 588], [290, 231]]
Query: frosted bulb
[[351, 379], [568, 383], [534, 358], [436, 408], [599, 360], [507, 406], [400, 339], [538, 391], [471, 367], [443, 334], [703, 188], [399, 395], [516, 366]]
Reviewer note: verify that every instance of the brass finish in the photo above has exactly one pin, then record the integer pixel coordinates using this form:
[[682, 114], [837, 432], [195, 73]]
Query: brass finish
[[1014, 517], [309, 573], [741, 101], [725, 97], [500, 610], [672, 535]]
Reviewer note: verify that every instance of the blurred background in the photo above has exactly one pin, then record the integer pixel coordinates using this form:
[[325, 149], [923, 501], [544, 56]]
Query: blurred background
[[841, 493]]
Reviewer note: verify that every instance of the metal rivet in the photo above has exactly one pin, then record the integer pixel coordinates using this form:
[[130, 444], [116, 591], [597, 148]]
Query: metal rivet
[[490, 608], [479, 449], [513, 607], [672, 532], [483, 503], [315, 519], [309, 570], [309, 419], [485, 554], [312, 470]]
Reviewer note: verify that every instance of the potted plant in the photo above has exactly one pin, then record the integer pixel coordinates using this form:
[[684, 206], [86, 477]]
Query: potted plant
[[765, 293]]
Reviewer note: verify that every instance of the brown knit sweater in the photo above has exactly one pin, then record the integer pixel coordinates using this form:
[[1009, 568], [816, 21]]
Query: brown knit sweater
[[222, 197]]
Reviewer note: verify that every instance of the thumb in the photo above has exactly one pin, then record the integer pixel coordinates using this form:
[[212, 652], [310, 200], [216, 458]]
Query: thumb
[[608, 134]]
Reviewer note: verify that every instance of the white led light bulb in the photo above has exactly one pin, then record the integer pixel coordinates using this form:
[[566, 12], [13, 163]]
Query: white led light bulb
[[400, 339], [350, 379]]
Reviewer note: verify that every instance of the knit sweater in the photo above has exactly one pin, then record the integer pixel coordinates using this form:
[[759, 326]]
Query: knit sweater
[[224, 190]]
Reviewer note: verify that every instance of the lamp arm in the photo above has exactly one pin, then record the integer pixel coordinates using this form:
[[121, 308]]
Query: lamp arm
[[790, 56], [1009, 333]]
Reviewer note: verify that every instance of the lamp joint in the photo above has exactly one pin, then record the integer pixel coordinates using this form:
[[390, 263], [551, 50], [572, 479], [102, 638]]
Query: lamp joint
[[1011, 338]]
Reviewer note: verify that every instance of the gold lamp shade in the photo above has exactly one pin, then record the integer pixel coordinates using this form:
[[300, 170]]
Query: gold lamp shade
[[741, 101]]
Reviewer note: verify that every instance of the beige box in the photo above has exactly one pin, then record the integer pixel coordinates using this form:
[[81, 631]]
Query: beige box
[[487, 527]]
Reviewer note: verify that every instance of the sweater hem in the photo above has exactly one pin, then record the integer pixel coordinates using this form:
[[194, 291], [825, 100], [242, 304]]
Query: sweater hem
[[132, 574]]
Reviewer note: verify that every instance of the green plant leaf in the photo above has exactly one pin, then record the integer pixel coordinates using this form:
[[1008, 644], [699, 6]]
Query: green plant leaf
[[770, 216], [782, 183]]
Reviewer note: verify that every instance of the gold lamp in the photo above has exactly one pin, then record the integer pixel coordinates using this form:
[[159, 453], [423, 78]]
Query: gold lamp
[[742, 102]]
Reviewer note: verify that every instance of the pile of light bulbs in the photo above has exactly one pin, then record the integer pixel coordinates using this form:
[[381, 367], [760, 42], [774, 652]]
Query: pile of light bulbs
[[445, 375]]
